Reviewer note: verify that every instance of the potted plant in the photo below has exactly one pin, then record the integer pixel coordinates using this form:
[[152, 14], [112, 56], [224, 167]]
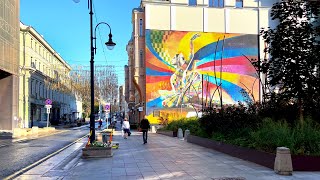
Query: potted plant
[[97, 150]]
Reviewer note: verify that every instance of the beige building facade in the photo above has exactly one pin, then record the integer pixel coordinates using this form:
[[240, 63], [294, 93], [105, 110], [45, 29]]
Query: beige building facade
[[158, 20], [44, 75], [9, 63]]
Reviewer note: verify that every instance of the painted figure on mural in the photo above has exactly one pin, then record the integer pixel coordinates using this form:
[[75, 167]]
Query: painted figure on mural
[[183, 76]]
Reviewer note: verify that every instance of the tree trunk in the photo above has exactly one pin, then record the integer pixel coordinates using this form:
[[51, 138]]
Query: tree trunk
[[300, 103]]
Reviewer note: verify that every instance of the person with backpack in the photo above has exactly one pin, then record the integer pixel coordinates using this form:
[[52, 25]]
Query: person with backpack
[[145, 126]]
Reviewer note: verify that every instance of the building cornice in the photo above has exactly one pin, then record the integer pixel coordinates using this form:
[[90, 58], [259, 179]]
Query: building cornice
[[168, 3], [36, 35]]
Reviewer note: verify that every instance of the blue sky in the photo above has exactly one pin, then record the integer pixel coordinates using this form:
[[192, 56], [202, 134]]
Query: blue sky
[[65, 26]]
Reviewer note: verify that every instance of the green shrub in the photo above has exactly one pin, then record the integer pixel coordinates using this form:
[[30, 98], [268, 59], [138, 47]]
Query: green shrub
[[272, 135], [185, 123], [306, 138], [300, 139], [229, 119]]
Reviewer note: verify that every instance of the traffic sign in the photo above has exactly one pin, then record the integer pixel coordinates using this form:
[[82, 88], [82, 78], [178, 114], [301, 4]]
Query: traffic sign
[[48, 110], [140, 109], [107, 106], [48, 106], [48, 101]]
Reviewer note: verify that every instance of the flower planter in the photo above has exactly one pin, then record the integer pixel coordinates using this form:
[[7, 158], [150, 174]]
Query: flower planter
[[168, 133], [299, 162], [97, 152]]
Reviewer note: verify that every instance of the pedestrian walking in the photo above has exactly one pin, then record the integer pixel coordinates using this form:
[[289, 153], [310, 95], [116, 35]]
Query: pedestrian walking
[[100, 124], [145, 126], [126, 128]]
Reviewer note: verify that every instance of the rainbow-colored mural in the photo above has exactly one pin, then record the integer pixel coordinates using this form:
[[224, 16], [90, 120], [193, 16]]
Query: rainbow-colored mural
[[186, 69]]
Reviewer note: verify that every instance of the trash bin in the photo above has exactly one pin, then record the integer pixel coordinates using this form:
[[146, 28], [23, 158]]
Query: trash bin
[[106, 136]]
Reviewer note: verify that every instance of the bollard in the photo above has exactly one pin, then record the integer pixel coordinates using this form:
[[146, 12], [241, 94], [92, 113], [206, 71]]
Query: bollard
[[153, 129], [180, 133], [35, 130], [283, 163], [186, 134]]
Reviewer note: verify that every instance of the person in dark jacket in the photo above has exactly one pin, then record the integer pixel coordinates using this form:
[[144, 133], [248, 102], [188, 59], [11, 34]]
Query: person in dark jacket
[[145, 126]]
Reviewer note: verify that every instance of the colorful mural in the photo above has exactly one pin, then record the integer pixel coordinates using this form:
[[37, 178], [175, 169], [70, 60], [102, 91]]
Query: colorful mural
[[187, 69]]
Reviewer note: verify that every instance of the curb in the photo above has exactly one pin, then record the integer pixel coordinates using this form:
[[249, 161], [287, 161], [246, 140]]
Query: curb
[[18, 140], [20, 172]]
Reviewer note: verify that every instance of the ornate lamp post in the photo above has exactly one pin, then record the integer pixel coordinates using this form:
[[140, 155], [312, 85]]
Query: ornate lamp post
[[110, 45]]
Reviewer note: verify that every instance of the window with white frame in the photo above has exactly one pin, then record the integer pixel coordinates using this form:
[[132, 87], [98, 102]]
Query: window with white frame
[[239, 3], [192, 2], [216, 3]]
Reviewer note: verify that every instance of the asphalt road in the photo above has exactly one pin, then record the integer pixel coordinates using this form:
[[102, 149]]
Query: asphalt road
[[18, 155]]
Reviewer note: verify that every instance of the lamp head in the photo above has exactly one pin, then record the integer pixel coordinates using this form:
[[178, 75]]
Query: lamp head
[[76, 1], [110, 44]]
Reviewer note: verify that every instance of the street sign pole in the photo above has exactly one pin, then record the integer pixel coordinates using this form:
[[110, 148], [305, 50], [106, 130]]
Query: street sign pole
[[48, 106], [48, 112], [107, 107]]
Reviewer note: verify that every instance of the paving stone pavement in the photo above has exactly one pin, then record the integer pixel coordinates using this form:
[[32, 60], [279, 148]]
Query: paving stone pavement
[[162, 157]]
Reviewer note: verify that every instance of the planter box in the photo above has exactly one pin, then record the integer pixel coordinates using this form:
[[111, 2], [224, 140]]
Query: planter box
[[258, 157], [305, 163], [168, 133], [299, 163], [97, 152]]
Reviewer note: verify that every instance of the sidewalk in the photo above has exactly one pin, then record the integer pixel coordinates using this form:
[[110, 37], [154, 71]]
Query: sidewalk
[[162, 157], [8, 139]]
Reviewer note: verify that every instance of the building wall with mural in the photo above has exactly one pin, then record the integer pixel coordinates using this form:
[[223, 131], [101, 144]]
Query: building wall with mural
[[196, 53], [185, 70]]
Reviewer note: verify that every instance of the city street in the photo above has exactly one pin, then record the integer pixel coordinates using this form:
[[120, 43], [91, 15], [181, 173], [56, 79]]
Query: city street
[[15, 156], [162, 157]]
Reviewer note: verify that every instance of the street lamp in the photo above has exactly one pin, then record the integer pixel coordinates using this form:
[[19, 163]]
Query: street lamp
[[110, 45]]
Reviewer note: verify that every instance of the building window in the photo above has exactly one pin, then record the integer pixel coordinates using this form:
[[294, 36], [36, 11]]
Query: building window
[[216, 3], [141, 58], [192, 2], [31, 87], [35, 64], [239, 3], [140, 27], [31, 43], [40, 90], [36, 89]]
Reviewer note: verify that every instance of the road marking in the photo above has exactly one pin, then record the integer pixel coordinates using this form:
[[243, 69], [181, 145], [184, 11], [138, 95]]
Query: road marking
[[16, 174]]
